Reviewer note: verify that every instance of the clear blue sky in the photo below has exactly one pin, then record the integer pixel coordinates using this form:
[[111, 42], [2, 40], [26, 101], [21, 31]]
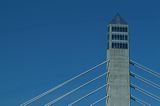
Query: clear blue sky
[[45, 42]]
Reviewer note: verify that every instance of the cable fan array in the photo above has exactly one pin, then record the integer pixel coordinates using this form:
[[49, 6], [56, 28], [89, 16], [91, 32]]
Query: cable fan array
[[145, 81], [132, 86], [72, 91]]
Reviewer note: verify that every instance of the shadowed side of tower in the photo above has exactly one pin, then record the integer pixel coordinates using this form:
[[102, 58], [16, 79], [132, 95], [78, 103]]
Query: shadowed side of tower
[[118, 90]]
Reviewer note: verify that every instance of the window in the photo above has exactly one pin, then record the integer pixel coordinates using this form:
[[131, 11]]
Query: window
[[126, 37], [113, 37], [116, 45], [122, 37], [125, 29], [119, 37], [119, 29], [119, 45], [126, 46], [113, 45], [113, 29]]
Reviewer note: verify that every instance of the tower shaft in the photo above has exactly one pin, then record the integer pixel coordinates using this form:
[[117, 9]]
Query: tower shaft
[[118, 90]]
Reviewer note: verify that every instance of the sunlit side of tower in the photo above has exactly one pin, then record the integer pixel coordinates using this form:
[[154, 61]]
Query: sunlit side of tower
[[118, 89]]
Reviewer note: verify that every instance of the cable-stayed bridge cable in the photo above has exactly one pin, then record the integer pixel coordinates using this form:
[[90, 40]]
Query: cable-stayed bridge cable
[[74, 90], [62, 84], [96, 102], [144, 68], [145, 80], [139, 101], [155, 97], [85, 96]]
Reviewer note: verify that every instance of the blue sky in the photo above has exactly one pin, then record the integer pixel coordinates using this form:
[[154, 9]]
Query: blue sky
[[45, 42]]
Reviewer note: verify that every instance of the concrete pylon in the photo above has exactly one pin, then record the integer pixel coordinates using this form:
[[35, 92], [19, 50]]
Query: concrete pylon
[[118, 80]]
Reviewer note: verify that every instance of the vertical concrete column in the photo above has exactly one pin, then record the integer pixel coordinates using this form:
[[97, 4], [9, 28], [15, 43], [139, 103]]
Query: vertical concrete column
[[118, 90]]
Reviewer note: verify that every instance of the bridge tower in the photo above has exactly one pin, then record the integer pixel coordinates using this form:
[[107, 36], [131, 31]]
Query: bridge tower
[[118, 89]]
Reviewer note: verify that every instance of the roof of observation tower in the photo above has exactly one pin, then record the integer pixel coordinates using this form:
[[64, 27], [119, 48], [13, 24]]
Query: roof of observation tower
[[118, 20]]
